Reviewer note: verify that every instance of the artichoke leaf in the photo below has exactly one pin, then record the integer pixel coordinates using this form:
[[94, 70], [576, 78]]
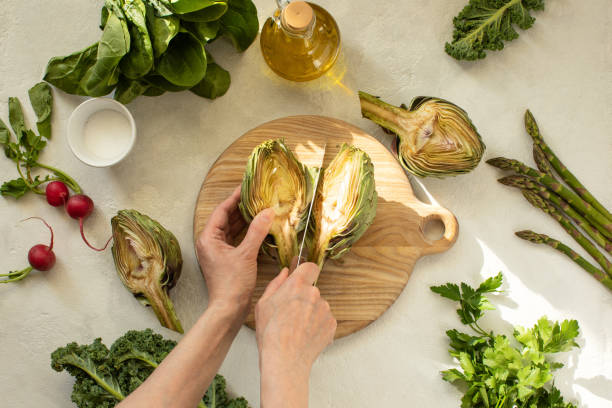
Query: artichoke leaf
[[148, 261]]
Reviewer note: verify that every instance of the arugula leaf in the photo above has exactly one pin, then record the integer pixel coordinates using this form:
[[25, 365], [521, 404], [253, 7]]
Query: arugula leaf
[[486, 24], [41, 100]]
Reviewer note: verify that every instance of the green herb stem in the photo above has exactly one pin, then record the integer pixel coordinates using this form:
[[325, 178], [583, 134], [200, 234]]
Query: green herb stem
[[27, 181], [16, 276], [74, 186]]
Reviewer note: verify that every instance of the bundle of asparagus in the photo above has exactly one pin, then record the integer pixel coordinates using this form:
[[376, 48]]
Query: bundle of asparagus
[[577, 211]]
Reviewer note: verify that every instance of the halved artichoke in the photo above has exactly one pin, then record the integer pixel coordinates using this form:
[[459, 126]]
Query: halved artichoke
[[434, 137], [148, 261], [345, 205], [275, 179]]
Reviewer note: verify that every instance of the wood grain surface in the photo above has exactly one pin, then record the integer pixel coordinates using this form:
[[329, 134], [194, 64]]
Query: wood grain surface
[[366, 281]]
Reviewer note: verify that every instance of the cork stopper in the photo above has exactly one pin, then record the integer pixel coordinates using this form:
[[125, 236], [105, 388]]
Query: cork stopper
[[297, 16]]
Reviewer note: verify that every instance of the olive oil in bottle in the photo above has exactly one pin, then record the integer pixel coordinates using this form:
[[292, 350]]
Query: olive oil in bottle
[[301, 41]]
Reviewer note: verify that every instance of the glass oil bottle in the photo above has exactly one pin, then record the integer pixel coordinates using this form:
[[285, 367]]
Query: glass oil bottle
[[301, 41]]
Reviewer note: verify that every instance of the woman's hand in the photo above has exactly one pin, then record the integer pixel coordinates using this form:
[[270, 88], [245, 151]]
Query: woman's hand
[[294, 324], [230, 272]]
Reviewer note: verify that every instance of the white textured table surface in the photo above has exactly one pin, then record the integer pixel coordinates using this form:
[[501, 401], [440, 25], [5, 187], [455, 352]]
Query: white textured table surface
[[561, 69]]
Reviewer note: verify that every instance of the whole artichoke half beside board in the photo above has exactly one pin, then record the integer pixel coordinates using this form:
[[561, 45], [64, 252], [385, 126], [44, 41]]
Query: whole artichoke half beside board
[[344, 207], [434, 137], [148, 261]]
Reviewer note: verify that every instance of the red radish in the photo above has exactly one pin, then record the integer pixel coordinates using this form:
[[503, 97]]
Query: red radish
[[80, 207], [57, 193], [41, 257]]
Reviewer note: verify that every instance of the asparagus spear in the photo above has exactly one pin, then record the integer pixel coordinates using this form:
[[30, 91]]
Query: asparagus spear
[[564, 172], [555, 186], [548, 208], [524, 182], [561, 247], [541, 161]]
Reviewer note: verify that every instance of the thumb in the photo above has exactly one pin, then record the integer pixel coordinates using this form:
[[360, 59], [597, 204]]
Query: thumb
[[258, 229], [275, 284]]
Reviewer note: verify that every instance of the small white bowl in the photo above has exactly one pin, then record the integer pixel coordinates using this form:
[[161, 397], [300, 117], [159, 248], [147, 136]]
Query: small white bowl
[[97, 135]]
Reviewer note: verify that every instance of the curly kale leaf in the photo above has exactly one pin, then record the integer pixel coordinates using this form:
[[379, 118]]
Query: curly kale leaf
[[96, 385], [486, 24], [104, 377]]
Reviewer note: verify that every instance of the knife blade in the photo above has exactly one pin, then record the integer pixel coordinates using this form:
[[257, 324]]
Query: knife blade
[[314, 195]]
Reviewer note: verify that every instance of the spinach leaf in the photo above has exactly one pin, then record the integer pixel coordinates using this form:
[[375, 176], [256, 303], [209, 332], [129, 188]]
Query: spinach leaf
[[210, 13], [101, 78], [161, 30], [152, 90], [161, 83], [215, 83], [139, 60], [204, 31], [42, 103], [66, 72], [189, 6], [240, 23], [103, 17], [161, 7], [184, 63], [129, 89]]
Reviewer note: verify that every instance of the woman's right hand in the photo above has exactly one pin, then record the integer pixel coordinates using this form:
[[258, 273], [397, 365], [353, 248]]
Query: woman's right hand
[[293, 326]]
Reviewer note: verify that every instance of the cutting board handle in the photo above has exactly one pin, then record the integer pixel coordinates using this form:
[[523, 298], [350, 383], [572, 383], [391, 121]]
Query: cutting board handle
[[451, 229]]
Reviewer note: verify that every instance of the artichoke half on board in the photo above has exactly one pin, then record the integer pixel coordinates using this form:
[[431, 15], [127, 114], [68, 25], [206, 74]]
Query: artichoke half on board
[[345, 205], [434, 137], [148, 261], [275, 179]]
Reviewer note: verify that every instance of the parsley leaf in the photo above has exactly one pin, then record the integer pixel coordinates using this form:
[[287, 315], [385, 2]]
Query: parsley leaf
[[486, 24], [495, 371]]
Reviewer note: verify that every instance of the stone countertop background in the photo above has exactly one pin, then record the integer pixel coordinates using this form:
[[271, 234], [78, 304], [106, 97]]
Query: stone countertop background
[[561, 69]]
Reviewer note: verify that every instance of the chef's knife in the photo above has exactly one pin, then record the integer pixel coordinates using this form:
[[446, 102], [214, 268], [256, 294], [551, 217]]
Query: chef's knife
[[314, 195]]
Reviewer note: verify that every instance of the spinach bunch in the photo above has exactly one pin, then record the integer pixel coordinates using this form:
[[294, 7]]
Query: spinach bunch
[[149, 47], [25, 146], [104, 376], [496, 372]]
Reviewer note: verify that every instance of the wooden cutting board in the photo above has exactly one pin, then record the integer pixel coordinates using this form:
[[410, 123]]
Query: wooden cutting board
[[365, 282]]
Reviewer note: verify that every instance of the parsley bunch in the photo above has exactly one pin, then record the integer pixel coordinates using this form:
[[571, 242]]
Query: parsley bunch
[[25, 147], [498, 372]]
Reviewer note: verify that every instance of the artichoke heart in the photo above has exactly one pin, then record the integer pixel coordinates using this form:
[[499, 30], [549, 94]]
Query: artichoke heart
[[434, 137], [345, 205], [275, 179], [148, 260]]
